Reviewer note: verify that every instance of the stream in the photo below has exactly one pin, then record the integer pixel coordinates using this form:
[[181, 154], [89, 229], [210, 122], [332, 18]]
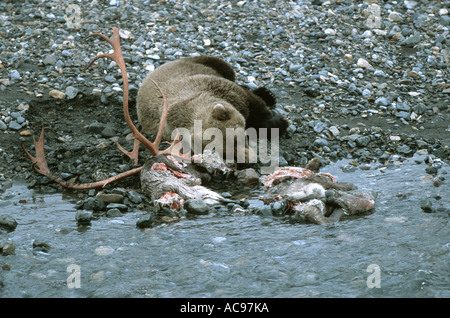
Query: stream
[[397, 251]]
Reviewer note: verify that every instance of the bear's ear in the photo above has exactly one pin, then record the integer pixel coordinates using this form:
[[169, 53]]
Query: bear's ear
[[219, 112]]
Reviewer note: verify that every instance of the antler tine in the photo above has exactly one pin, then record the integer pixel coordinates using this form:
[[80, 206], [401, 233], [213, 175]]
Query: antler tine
[[40, 165], [117, 57]]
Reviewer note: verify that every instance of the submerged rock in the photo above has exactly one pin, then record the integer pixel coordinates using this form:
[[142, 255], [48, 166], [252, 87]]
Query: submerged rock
[[7, 222]]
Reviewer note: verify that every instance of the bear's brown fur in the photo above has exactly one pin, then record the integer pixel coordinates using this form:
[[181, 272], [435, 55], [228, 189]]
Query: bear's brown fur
[[203, 88]]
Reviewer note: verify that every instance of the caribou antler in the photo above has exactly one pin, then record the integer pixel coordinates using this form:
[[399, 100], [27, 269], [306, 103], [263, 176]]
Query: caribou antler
[[117, 57], [40, 164]]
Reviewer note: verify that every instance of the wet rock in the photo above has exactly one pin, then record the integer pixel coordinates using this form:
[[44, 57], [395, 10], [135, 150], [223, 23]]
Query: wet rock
[[196, 207], [7, 223], [83, 217], [119, 206], [7, 248], [110, 197], [39, 245], [266, 211], [91, 204], [112, 213], [247, 176], [431, 170], [134, 197], [145, 221], [426, 206]]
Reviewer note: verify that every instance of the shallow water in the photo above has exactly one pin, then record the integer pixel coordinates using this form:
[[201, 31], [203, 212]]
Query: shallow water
[[237, 255]]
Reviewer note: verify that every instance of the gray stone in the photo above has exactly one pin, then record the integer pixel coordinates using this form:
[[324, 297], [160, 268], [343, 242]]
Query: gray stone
[[7, 222], [419, 109], [15, 75], [49, 60], [83, 217], [362, 141], [14, 125], [383, 101], [320, 142], [110, 197], [426, 206], [404, 115], [7, 248], [112, 213], [108, 132], [121, 207], [317, 125], [278, 208], [110, 79], [96, 127], [266, 211], [3, 125], [145, 221], [413, 40], [134, 197], [93, 204], [196, 207], [71, 92], [39, 245]]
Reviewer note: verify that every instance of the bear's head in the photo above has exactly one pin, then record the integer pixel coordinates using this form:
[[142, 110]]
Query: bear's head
[[216, 125]]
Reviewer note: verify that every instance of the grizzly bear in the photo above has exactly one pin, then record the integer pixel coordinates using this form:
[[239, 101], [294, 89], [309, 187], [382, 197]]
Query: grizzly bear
[[203, 88]]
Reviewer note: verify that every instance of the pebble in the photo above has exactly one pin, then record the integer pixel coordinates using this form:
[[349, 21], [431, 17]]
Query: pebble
[[196, 207], [363, 63], [121, 207], [110, 197], [134, 197], [426, 206], [39, 245], [7, 222], [91, 204], [413, 40], [7, 248], [57, 94], [15, 75], [71, 92], [145, 221], [112, 213], [83, 217]]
